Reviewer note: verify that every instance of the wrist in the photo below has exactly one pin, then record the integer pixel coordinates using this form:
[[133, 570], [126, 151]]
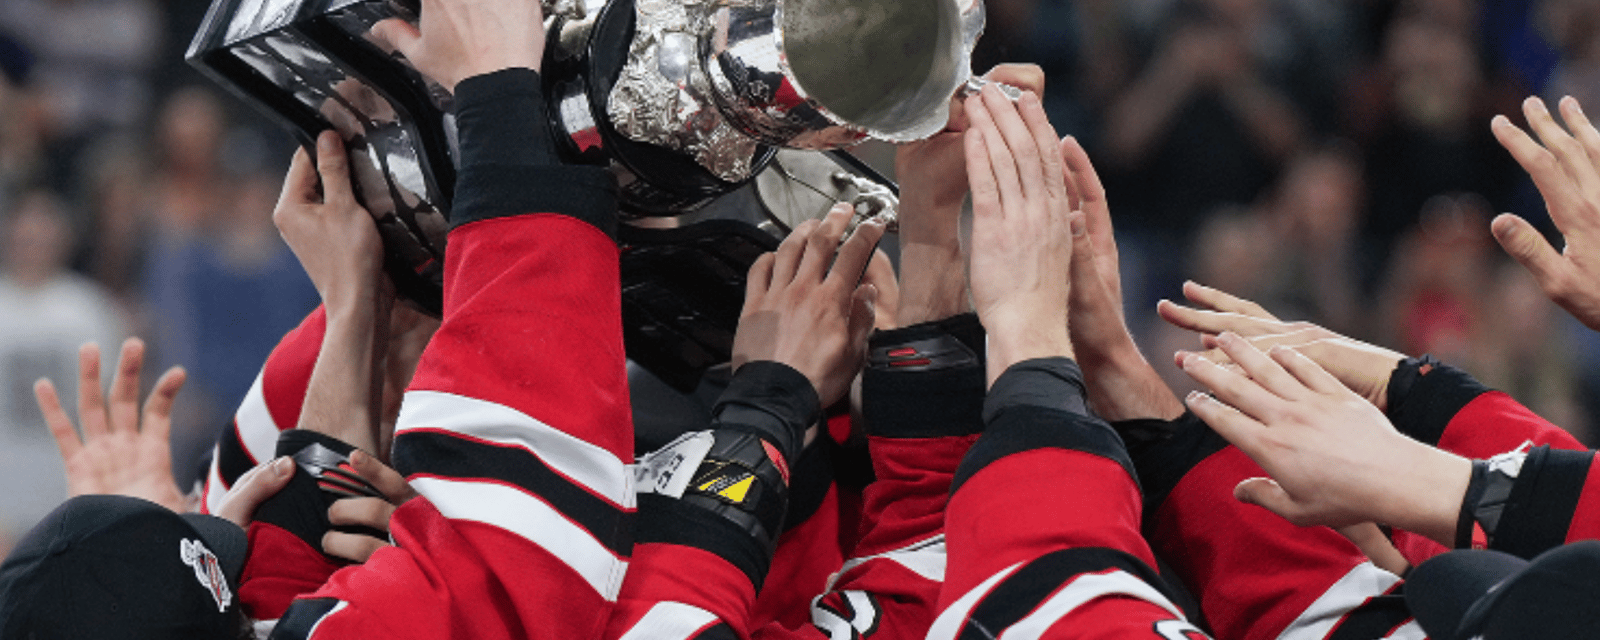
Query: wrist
[[1009, 345], [1428, 499]]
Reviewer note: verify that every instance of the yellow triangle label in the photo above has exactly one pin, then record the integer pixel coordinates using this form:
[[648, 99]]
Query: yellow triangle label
[[737, 492]]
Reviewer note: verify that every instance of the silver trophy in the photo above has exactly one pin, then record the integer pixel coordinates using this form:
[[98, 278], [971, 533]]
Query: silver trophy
[[711, 113]]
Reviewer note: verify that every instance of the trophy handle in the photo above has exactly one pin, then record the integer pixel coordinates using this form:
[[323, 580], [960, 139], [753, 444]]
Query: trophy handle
[[975, 84]]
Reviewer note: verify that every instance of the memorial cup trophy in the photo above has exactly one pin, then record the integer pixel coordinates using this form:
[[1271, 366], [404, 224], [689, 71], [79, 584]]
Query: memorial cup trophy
[[725, 122]]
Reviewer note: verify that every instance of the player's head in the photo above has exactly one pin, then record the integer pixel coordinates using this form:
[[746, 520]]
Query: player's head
[[1493, 595], [118, 567]]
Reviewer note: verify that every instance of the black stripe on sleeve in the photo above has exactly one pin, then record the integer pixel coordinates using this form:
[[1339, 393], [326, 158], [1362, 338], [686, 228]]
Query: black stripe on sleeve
[[1432, 401], [670, 521], [1542, 502], [1163, 465], [1026, 428], [302, 617], [718, 631], [440, 454], [233, 460], [1375, 618], [508, 161], [1025, 589]]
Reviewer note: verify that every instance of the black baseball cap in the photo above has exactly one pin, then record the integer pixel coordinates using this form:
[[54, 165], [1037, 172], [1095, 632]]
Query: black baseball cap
[[1497, 596], [118, 567]]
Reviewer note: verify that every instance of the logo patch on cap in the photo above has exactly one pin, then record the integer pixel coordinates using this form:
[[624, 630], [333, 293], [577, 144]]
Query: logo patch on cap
[[207, 570]]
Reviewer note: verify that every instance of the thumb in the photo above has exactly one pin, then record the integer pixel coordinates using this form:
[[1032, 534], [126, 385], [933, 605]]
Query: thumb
[[863, 312], [1268, 494], [1529, 247], [253, 488], [1082, 249], [399, 34]]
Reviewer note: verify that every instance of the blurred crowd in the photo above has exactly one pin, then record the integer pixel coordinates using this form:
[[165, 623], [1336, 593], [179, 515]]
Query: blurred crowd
[[1330, 159]]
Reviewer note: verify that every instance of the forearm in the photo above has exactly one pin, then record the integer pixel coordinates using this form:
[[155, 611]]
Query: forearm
[[1123, 386], [340, 396], [933, 282]]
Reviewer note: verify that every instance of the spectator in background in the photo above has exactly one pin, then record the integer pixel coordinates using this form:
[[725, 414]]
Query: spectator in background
[[219, 285], [1418, 113], [1435, 300], [1225, 94], [19, 144], [49, 312], [1314, 211], [94, 63]]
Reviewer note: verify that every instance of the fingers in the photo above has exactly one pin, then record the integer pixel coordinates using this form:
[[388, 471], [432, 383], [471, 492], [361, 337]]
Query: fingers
[[1219, 300], [253, 488], [388, 481], [1528, 247], [333, 166], [1214, 322], [854, 255], [1019, 138], [981, 180], [1578, 123], [365, 512], [1240, 393], [1091, 194], [1574, 161], [1264, 371], [55, 417], [823, 244], [1001, 161], [157, 422], [863, 313], [300, 184], [91, 405], [757, 281], [354, 547], [1027, 77], [1307, 371], [1268, 494], [123, 405], [1543, 167], [787, 259], [1234, 426], [1047, 146], [399, 34]]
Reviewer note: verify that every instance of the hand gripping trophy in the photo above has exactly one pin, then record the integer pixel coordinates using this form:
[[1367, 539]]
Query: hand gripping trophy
[[710, 112]]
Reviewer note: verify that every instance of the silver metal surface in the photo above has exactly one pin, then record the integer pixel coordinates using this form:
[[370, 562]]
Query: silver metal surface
[[661, 96], [802, 74]]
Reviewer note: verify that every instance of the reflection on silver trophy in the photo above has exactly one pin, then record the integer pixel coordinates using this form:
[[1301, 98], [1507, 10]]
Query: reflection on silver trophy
[[689, 102]]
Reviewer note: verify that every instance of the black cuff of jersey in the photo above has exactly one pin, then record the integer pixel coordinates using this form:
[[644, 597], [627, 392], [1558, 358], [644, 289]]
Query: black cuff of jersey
[[301, 507], [1163, 465], [1542, 502], [665, 520], [1469, 503], [771, 400], [1030, 586], [509, 164], [1039, 404], [925, 380], [1421, 406]]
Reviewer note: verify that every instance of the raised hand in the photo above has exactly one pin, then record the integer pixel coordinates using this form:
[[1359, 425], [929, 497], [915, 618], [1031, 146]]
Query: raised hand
[[1121, 383], [1021, 242], [366, 512], [459, 39], [253, 488], [123, 451], [1333, 458], [1567, 172], [334, 238], [933, 185], [802, 312], [1363, 368]]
